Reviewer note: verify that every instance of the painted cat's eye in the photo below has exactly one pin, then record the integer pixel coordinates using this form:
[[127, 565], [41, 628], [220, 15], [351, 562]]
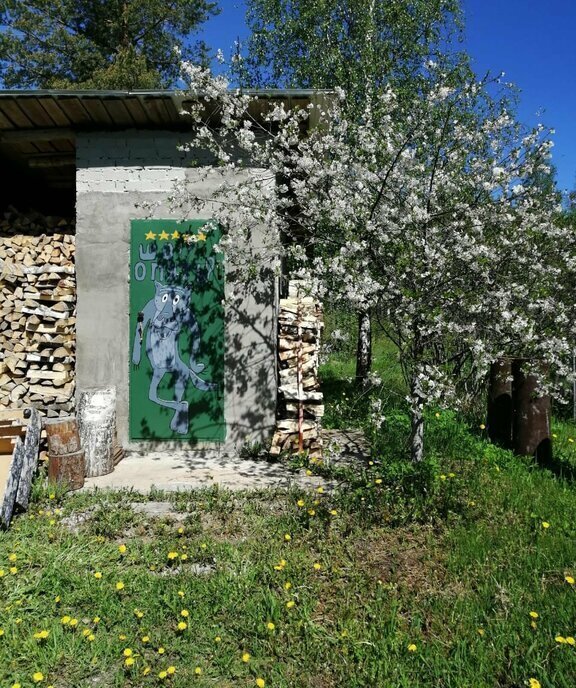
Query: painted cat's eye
[[176, 299], [165, 298]]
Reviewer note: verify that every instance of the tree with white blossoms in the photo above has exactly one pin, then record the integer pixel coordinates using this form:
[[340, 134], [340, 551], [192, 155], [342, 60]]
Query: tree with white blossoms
[[426, 210]]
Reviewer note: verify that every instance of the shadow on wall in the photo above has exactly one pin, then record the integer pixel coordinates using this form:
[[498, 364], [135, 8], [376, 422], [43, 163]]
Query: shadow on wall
[[241, 373]]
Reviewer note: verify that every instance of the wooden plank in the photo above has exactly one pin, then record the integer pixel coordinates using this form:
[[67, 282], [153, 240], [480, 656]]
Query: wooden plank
[[7, 444], [12, 430], [55, 111], [9, 486], [29, 458]]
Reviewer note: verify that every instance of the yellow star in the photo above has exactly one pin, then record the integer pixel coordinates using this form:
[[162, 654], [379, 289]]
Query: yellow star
[[163, 235], [175, 234], [150, 235], [201, 236]]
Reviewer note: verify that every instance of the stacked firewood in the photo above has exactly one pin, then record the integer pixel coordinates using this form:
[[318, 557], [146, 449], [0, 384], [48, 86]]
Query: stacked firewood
[[37, 313], [300, 406]]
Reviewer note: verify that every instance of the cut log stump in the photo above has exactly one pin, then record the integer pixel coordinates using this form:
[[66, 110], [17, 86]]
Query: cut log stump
[[67, 470]]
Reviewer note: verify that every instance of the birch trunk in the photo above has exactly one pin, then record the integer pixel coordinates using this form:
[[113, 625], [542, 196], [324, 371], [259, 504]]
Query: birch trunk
[[364, 347]]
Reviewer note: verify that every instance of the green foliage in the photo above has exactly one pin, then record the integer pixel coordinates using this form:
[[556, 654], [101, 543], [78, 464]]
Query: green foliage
[[354, 44], [109, 44]]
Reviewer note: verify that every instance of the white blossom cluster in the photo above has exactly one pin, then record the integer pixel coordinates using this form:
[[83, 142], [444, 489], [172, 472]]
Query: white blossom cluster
[[428, 210]]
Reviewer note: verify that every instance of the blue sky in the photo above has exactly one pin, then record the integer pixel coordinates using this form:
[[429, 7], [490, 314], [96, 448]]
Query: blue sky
[[534, 43]]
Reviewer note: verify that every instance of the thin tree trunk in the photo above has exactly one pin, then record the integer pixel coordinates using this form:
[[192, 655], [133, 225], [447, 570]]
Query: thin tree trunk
[[364, 347], [417, 423], [417, 435]]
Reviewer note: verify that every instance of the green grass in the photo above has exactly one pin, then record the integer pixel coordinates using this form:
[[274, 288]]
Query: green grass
[[408, 576], [454, 567]]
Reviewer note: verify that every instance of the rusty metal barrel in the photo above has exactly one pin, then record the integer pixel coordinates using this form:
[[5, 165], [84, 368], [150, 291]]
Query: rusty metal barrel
[[499, 422], [532, 410]]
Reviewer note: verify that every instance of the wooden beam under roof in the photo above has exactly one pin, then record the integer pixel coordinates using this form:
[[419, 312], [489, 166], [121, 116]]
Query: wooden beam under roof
[[31, 134]]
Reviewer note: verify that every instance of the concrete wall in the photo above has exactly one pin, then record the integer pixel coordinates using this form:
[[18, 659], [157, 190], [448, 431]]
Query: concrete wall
[[116, 173]]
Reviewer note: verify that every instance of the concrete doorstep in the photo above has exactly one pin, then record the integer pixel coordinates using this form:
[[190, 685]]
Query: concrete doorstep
[[190, 470]]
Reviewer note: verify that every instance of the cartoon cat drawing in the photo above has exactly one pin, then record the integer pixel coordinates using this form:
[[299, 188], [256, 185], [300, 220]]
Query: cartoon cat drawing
[[166, 316]]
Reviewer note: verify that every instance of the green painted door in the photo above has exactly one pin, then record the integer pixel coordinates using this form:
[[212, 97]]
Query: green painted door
[[176, 331]]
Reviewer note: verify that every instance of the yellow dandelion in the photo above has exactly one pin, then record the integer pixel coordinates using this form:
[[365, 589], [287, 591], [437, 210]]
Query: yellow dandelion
[[2, 573], [480, 631], [57, 599], [437, 415], [119, 585], [570, 640], [217, 639], [12, 557], [171, 670], [42, 635], [65, 620], [16, 685], [308, 472], [320, 489], [333, 512], [570, 440], [183, 557], [182, 625], [311, 512], [122, 549], [534, 683], [317, 566], [180, 531], [97, 574], [96, 620], [301, 503], [560, 639], [1, 632], [13, 570], [198, 671], [129, 661], [203, 545], [287, 537], [172, 556], [146, 671], [185, 613], [442, 477], [161, 650], [482, 426], [569, 580], [534, 625], [162, 674], [290, 604], [270, 626], [73, 623], [37, 676], [545, 524], [127, 652], [412, 647], [287, 585], [145, 638], [534, 615], [91, 638], [246, 657], [121, 636], [180, 593], [260, 683]]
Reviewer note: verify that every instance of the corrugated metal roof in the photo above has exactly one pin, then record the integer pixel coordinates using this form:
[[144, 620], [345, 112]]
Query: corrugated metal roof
[[38, 127]]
